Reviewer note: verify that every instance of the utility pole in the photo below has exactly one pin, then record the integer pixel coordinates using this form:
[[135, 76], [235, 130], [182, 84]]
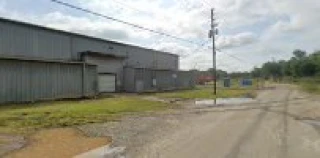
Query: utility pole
[[212, 34]]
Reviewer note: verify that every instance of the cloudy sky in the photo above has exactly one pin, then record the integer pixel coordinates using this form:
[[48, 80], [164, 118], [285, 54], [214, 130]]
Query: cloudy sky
[[250, 31]]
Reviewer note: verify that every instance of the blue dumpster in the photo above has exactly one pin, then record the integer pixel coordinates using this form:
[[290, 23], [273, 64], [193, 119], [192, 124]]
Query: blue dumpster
[[227, 82], [246, 82]]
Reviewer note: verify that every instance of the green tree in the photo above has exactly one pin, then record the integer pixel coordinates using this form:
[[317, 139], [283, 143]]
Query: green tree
[[299, 53], [256, 72]]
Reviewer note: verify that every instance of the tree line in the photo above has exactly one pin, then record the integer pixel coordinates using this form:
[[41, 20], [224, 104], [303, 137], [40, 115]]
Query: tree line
[[301, 64]]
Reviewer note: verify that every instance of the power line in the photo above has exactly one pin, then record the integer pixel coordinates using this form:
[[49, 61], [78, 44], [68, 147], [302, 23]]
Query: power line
[[227, 66], [150, 13], [186, 7], [122, 21], [237, 58], [228, 54], [134, 25], [130, 7], [207, 3], [201, 46], [145, 12]]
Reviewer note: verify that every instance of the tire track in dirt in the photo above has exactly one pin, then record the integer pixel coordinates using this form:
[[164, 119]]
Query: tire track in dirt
[[253, 128], [284, 136], [248, 133]]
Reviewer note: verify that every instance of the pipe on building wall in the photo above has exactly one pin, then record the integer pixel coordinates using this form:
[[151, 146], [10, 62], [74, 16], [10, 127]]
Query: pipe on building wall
[[84, 80], [83, 74]]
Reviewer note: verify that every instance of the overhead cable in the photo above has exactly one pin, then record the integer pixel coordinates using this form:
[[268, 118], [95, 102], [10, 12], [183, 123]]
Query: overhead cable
[[123, 22]]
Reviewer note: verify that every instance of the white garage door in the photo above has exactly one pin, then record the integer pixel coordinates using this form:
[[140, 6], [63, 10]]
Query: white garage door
[[107, 83]]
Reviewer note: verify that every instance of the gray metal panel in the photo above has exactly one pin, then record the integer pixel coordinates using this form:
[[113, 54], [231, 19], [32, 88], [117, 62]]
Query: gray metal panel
[[128, 79], [108, 65], [33, 42], [16, 40], [165, 80], [24, 81], [145, 76], [14, 79], [91, 79], [186, 79], [76, 35], [20, 39], [167, 61], [82, 44], [144, 58], [140, 58]]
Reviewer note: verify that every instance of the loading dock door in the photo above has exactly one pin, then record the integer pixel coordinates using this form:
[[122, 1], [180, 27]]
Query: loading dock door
[[107, 83]]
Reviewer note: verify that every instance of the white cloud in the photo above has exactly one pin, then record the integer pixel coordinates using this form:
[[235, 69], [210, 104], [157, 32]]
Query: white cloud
[[174, 48], [85, 26], [287, 25], [241, 39]]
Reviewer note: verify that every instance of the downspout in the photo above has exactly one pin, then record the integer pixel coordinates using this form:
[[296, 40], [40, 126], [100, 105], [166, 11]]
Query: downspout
[[84, 73]]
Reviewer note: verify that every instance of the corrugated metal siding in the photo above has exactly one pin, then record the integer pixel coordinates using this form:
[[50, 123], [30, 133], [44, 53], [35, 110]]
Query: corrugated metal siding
[[24, 81], [91, 80], [129, 79], [14, 79], [81, 44], [185, 79], [140, 58], [31, 42], [165, 80], [166, 61], [144, 58], [55, 80], [108, 65], [145, 76]]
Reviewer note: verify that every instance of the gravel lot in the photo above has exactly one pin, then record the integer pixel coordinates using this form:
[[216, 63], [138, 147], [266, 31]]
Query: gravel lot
[[10, 143], [135, 132], [161, 129], [157, 131]]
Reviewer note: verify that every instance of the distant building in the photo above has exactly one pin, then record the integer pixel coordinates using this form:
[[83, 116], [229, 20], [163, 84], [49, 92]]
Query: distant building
[[203, 79]]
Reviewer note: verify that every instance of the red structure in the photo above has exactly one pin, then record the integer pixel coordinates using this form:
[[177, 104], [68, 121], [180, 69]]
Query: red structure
[[204, 79]]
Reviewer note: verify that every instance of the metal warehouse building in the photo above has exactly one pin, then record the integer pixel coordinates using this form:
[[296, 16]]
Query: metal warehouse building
[[38, 63]]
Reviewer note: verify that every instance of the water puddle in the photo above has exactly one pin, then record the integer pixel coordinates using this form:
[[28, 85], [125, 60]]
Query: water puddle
[[312, 122], [225, 101]]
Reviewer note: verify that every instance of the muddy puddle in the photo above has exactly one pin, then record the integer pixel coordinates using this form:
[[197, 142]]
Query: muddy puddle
[[58, 143], [312, 122], [224, 101]]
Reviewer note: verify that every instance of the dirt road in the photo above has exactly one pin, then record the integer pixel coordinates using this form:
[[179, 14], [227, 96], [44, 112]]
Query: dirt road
[[275, 126]]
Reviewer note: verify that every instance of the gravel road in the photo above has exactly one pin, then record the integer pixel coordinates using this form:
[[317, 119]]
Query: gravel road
[[274, 126]]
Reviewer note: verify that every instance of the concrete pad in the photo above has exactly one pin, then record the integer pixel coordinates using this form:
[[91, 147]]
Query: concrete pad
[[104, 152]]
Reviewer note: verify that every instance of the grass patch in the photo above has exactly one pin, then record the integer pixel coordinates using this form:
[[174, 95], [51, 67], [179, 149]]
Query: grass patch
[[311, 85], [207, 93], [310, 88], [3, 142], [24, 118]]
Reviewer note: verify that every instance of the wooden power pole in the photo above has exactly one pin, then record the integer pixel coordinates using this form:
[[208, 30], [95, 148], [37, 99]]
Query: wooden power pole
[[212, 34]]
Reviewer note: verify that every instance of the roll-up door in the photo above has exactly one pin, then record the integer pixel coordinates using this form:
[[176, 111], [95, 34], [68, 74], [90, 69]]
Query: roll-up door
[[107, 83]]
